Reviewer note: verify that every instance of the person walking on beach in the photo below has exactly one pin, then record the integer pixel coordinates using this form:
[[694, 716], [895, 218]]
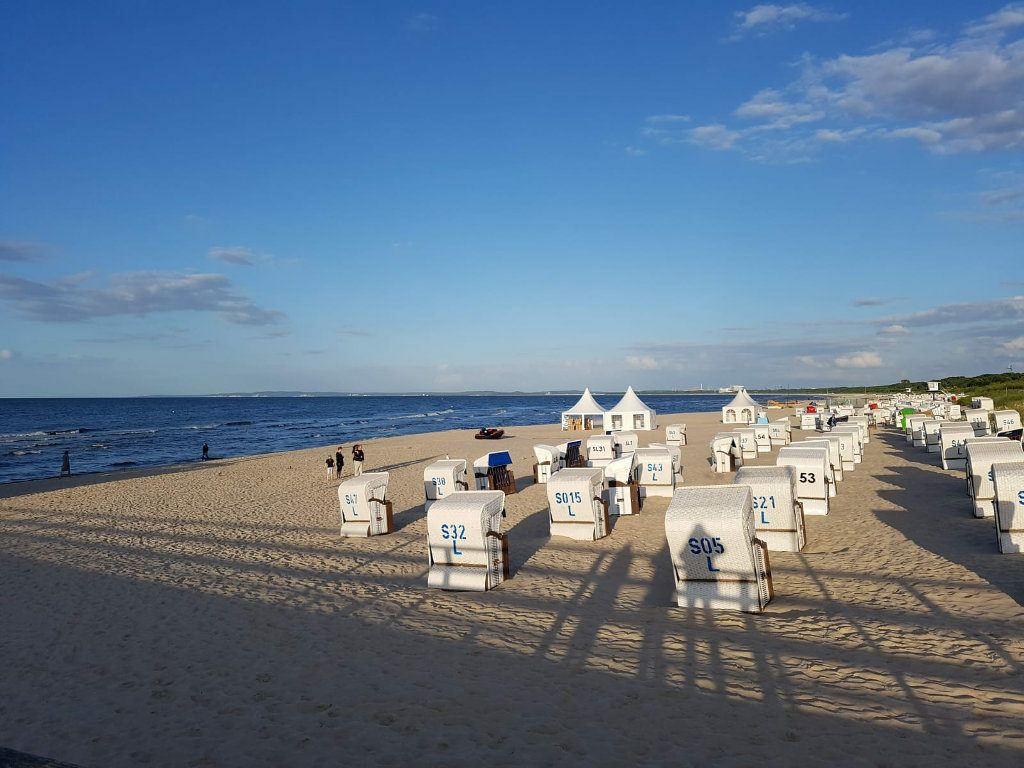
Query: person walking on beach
[[357, 460], [206, 452], [339, 460], [65, 465], [330, 467]]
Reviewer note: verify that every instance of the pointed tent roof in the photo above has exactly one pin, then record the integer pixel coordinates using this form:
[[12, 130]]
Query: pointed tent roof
[[630, 402], [586, 404], [743, 400]]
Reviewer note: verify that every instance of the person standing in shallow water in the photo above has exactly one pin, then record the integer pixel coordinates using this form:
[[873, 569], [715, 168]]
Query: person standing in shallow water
[[357, 460], [65, 465], [206, 452]]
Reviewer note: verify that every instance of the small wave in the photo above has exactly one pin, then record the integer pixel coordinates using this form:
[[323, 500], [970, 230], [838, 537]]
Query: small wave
[[134, 432], [99, 445], [67, 431], [23, 434], [499, 412], [201, 426], [411, 416], [21, 453], [122, 464], [237, 423], [440, 413], [316, 435]]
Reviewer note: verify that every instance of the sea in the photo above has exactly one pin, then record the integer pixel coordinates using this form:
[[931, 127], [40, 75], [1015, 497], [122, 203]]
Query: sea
[[111, 434]]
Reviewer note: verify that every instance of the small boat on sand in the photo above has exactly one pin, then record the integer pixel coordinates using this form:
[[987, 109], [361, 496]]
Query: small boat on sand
[[489, 433]]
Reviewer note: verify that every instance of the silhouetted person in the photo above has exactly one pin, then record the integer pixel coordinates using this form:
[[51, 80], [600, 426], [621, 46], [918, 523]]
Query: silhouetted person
[[206, 452], [65, 465], [339, 460]]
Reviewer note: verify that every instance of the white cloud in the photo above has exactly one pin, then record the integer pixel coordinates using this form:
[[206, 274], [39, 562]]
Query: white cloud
[[236, 255], [15, 250], [859, 360], [961, 96], [645, 363], [635, 152], [6, 354], [132, 293], [661, 119], [1015, 345], [714, 137], [811, 361], [990, 310], [894, 330], [766, 18]]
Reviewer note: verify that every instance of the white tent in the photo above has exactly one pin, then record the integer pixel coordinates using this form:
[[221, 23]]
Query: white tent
[[742, 410], [586, 414], [630, 413]]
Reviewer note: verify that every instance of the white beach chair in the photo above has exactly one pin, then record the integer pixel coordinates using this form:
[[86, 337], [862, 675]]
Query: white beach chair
[[835, 461], [983, 403], [467, 550], [809, 421], [655, 472], [443, 478], [677, 458], [762, 437], [725, 452], [748, 442], [954, 412], [780, 432], [812, 475], [863, 423], [600, 450], [675, 434], [716, 560], [364, 509], [932, 440], [549, 460], [978, 419], [1005, 421], [570, 454], [623, 492], [849, 445], [1008, 479], [953, 443], [778, 515], [980, 458], [626, 442], [915, 425], [577, 507]]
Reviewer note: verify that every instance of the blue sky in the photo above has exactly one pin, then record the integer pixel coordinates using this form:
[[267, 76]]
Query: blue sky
[[210, 197]]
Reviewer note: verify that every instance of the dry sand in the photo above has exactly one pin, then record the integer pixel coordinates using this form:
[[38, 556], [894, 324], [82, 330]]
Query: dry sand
[[211, 616]]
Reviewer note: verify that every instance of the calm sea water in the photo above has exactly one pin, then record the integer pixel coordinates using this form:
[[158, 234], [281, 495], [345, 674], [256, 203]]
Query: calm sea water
[[114, 433]]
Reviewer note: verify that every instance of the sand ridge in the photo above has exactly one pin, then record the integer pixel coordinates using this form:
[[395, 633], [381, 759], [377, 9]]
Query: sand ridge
[[212, 616]]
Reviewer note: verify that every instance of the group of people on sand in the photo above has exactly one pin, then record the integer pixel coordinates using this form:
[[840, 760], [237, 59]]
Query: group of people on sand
[[336, 463]]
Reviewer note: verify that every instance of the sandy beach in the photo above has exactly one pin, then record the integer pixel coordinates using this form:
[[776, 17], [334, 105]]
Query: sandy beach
[[210, 615]]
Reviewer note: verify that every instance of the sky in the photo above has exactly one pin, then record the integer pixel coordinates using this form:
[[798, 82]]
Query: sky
[[204, 197]]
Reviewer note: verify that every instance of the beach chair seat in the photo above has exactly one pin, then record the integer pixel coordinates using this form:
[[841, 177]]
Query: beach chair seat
[[675, 434], [811, 463], [863, 423], [717, 562], [549, 460], [577, 507], [655, 473], [600, 450], [809, 421], [915, 429], [442, 478], [364, 509], [778, 514], [1008, 479], [622, 490], [491, 472], [980, 458], [748, 442], [466, 548], [953, 444]]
